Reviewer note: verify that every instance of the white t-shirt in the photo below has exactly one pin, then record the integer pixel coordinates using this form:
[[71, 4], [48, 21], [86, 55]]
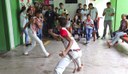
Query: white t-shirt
[[89, 23], [68, 23], [108, 12], [93, 13], [23, 19], [84, 14], [44, 11], [64, 32]]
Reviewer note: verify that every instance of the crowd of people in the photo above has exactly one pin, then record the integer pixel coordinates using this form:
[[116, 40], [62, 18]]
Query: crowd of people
[[85, 22], [38, 21]]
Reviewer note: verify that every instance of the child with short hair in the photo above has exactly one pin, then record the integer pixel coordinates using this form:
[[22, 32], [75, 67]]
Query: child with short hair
[[89, 28], [33, 25], [72, 50]]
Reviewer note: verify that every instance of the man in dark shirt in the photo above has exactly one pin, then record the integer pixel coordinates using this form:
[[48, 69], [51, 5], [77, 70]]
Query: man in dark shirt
[[79, 8], [50, 17], [78, 11]]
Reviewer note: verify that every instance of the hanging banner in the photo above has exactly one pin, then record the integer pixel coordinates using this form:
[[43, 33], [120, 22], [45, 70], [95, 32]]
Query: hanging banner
[[51, 2], [28, 1], [46, 2], [22, 0]]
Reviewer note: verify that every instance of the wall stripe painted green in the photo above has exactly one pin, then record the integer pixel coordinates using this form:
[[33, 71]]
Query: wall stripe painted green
[[121, 8], [9, 18], [10, 29], [4, 32], [15, 19]]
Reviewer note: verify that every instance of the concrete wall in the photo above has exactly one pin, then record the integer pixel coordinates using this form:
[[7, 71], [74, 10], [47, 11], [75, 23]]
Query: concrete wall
[[70, 7]]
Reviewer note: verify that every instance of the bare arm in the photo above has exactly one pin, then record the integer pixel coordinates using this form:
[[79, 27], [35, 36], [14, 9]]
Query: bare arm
[[65, 52], [112, 14], [96, 15], [104, 13], [69, 44], [26, 25]]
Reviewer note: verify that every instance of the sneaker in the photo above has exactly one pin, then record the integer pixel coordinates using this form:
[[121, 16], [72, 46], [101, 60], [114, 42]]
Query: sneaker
[[27, 44], [103, 38], [25, 53], [48, 55], [98, 37], [86, 43]]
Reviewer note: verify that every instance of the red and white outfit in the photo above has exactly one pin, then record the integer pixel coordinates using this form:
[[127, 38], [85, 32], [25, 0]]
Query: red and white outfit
[[32, 32], [75, 52]]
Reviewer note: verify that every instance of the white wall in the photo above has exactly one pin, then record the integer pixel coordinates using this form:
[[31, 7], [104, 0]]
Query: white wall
[[70, 7]]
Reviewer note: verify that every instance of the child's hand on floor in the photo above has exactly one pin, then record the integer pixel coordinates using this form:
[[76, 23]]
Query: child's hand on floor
[[62, 54]]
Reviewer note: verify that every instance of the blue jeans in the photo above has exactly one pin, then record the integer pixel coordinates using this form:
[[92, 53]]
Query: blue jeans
[[40, 33], [117, 37], [96, 28], [88, 33], [26, 37]]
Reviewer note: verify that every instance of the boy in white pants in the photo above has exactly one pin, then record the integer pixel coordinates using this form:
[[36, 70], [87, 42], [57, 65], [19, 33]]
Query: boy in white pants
[[72, 51], [33, 25]]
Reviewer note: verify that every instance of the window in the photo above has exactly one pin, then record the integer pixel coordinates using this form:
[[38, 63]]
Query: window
[[70, 1]]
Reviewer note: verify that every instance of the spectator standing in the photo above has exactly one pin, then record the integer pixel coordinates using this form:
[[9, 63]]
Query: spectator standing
[[23, 21], [108, 13], [94, 16], [62, 11]]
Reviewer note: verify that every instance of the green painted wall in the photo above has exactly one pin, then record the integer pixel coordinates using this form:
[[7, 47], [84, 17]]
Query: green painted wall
[[15, 19], [114, 19], [121, 8], [4, 34]]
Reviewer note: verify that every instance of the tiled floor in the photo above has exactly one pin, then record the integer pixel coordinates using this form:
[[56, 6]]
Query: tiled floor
[[97, 59]]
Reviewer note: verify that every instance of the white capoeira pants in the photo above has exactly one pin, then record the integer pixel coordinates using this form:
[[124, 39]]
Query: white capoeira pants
[[67, 60], [35, 39]]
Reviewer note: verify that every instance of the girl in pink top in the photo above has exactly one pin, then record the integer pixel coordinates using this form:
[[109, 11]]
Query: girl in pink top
[[33, 25]]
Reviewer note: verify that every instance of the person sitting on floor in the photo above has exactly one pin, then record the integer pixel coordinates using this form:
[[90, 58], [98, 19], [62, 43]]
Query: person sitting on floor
[[123, 30]]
